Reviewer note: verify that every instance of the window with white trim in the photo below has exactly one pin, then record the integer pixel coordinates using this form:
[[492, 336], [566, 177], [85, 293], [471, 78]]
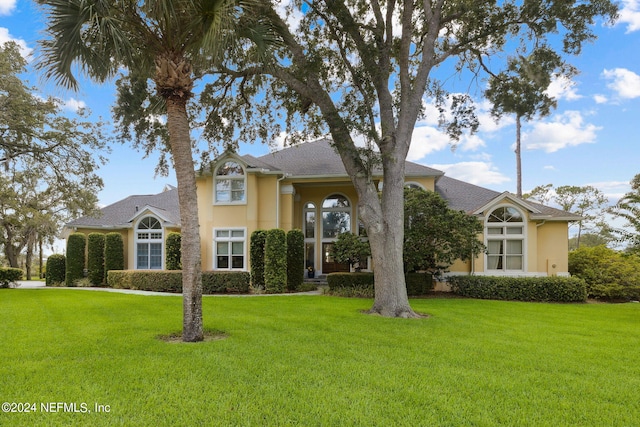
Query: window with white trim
[[149, 244], [230, 183], [336, 216], [229, 247], [505, 235]]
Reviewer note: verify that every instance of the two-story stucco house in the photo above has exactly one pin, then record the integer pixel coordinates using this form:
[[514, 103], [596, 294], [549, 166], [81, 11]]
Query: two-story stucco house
[[306, 187]]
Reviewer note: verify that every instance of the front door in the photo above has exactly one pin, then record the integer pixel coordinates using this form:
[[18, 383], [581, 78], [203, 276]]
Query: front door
[[329, 265]]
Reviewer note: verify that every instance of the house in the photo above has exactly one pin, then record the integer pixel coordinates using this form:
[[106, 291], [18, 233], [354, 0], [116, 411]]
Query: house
[[306, 187]]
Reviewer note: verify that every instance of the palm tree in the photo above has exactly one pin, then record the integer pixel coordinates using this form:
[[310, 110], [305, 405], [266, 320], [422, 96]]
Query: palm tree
[[158, 40]]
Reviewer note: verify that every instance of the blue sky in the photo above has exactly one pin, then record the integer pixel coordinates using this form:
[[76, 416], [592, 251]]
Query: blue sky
[[590, 139]]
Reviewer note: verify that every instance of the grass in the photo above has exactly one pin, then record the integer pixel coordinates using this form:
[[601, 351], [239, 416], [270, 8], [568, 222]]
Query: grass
[[316, 360]]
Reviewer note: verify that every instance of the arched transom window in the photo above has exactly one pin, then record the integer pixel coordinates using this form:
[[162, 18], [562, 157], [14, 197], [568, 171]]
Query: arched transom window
[[505, 234], [230, 183], [149, 239]]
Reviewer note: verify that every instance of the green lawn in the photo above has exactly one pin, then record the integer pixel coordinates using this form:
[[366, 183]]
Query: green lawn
[[316, 360]]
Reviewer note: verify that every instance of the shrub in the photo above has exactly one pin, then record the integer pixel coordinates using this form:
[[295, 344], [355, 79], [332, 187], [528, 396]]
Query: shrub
[[75, 258], [351, 249], [608, 274], [558, 289], [95, 258], [9, 275], [295, 259], [275, 261], [173, 252], [171, 281], [113, 252], [257, 258], [56, 269], [216, 282], [340, 283]]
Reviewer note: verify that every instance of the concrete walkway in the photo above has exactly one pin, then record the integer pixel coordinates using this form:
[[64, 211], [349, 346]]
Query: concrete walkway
[[24, 284]]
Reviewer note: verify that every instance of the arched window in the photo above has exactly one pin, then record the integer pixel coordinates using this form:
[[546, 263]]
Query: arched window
[[230, 183], [413, 185], [505, 235], [149, 240], [336, 216], [309, 219]]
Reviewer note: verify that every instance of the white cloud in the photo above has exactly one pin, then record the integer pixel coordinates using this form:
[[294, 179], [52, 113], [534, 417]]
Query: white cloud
[[613, 190], [565, 130], [73, 104], [426, 140], [7, 6], [5, 36], [630, 15], [600, 99], [624, 82], [478, 173], [563, 88], [291, 14]]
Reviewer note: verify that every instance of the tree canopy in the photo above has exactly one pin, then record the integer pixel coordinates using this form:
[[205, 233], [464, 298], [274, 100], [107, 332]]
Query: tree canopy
[[362, 71]]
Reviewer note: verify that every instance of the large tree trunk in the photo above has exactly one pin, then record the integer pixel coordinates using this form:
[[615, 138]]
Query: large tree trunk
[[180, 141]]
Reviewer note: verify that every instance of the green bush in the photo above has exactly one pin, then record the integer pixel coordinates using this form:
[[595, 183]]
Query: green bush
[[9, 275], [56, 269], [417, 283], [173, 252], [75, 258], [257, 258], [558, 289], [171, 281], [113, 252], [95, 259], [295, 259], [218, 282], [609, 274], [275, 261]]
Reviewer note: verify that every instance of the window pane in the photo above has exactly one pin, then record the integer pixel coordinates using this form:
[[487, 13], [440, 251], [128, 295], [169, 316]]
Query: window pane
[[222, 233], [143, 235], [495, 262], [156, 236], [309, 254], [223, 196], [237, 233], [514, 230], [222, 248], [237, 248], [223, 261], [309, 206], [230, 169], [237, 261], [310, 225], [237, 196], [155, 258], [514, 262], [335, 201], [495, 247], [334, 223], [514, 247], [223, 193], [494, 230], [143, 256], [237, 184]]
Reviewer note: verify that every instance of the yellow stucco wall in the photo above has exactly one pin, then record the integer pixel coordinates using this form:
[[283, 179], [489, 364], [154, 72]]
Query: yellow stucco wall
[[553, 250]]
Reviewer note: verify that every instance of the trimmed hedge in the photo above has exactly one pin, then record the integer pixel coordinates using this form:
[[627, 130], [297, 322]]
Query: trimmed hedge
[[258, 238], [275, 261], [95, 258], [75, 258], [9, 275], [295, 259], [417, 283], [171, 281], [557, 289], [173, 252], [113, 252], [56, 269]]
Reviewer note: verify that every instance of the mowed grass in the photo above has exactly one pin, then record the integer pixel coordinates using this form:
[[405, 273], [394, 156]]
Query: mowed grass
[[318, 361]]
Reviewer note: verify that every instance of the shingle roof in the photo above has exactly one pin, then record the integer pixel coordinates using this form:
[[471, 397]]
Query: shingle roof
[[467, 197], [318, 158], [119, 214]]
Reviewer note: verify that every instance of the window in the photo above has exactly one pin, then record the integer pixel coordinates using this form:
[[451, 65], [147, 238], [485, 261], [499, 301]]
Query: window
[[229, 249], [309, 235], [505, 239], [149, 240], [230, 183], [336, 216]]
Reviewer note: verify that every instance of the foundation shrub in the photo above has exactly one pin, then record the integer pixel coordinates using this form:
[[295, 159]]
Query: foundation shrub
[[295, 259], [556, 289], [56, 269], [75, 258], [345, 283], [113, 252], [95, 258], [275, 261], [171, 281], [257, 258], [173, 252], [9, 275]]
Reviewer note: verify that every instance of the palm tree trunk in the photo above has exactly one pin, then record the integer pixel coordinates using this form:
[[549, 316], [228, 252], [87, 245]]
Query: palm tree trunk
[[518, 155], [180, 142]]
